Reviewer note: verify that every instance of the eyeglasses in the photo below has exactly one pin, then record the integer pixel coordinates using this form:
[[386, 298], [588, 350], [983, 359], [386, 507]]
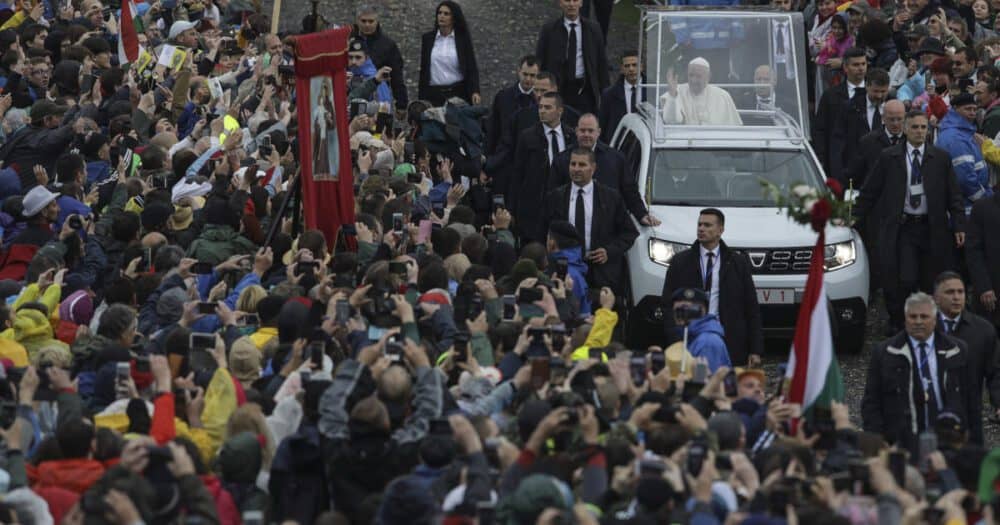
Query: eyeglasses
[[41, 72]]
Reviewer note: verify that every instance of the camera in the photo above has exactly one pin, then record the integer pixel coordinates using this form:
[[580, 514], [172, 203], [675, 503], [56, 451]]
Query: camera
[[380, 311], [75, 222]]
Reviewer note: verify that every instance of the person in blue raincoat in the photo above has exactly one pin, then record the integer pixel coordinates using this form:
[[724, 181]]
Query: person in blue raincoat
[[366, 81], [564, 243], [957, 137]]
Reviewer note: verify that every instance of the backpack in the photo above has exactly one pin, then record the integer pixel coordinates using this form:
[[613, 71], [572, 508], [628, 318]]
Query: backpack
[[14, 261]]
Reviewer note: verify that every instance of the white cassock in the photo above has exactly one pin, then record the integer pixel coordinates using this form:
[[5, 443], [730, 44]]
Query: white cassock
[[712, 107]]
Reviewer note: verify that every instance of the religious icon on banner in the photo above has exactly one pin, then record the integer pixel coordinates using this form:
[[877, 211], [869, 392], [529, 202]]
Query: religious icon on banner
[[326, 147]]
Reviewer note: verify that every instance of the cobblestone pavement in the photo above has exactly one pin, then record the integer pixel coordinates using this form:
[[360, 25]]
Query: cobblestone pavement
[[505, 30]]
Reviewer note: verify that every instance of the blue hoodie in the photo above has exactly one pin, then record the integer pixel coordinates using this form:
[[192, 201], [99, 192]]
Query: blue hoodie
[[383, 93], [577, 269], [705, 340], [973, 176]]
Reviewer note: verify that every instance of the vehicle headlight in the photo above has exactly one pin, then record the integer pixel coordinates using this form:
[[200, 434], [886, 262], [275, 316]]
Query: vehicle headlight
[[839, 255], [661, 251]]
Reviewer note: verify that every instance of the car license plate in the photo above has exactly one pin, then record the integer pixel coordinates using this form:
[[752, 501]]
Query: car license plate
[[776, 295]]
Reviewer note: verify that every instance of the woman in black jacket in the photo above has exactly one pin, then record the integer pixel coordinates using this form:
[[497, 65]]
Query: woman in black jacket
[[447, 61]]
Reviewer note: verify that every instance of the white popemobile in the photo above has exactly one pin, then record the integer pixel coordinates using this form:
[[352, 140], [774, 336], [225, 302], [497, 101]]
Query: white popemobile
[[689, 154]]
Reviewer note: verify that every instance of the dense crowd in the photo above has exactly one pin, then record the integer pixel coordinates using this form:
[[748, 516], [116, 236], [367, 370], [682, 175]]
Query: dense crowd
[[178, 348]]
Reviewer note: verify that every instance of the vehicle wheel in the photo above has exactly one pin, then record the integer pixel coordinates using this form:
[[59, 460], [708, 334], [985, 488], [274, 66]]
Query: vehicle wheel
[[850, 339]]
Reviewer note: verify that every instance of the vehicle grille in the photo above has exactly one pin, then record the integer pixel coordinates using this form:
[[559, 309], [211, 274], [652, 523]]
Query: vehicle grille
[[778, 261]]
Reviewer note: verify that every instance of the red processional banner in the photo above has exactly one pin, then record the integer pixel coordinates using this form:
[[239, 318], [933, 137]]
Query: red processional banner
[[324, 143]]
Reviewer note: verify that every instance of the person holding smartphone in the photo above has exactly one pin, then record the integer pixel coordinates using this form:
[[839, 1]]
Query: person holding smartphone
[[563, 245], [704, 331]]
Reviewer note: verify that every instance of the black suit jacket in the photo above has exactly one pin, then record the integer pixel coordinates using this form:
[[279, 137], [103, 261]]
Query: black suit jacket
[[739, 312], [982, 250], [466, 63], [611, 172], [530, 180], [981, 338], [864, 157], [506, 103], [551, 53], [893, 402], [829, 105], [848, 127], [614, 106], [882, 197], [384, 52], [610, 228], [501, 164]]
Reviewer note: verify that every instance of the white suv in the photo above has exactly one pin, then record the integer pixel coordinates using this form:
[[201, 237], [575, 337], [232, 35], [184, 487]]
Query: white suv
[[728, 163]]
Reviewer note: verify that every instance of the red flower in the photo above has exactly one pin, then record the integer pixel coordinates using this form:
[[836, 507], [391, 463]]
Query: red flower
[[835, 187], [820, 214]]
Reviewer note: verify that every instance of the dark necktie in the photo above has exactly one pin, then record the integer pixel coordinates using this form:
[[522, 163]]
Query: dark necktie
[[571, 53], [709, 266], [950, 324], [553, 145], [581, 218], [928, 382], [876, 119], [894, 140], [779, 45], [915, 178], [632, 101]]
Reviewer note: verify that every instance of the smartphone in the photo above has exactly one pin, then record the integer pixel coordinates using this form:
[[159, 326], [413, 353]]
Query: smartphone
[[75, 222], [699, 373], [651, 468], [202, 268], [637, 365], [562, 267], [927, 443], [383, 122], [657, 361], [205, 308], [897, 466], [509, 307], [409, 155], [729, 383], [398, 268], [394, 348], [461, 346], [250, 320], [309, 267], [540, 372], [397, 222], [486, 512], [697, 452], [253, 517], [414, 178], [343, 311], [498, 203], [265, 146], [529, 295], [358, 107], [202, 341], [145, 260], [316, 349], [123, 370]]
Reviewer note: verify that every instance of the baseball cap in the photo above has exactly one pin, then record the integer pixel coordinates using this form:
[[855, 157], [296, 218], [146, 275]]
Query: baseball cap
[[46, 108], [36, 200], [179, 27], [690, 294]]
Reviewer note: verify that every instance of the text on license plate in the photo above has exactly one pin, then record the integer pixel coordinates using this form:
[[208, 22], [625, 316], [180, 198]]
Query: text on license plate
[[776, 295]]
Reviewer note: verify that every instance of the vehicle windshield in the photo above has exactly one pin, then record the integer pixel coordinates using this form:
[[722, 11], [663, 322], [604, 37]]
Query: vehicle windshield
[[719, 177], [725, 68]]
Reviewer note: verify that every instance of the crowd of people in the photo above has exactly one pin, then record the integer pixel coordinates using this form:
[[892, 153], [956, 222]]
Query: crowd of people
[[178, 348]]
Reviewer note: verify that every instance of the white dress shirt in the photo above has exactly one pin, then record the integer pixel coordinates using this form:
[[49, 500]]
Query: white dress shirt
[[588, 208], [943, 322], [932, 361], [444, 61], [579, 43], [628, 95], [559, 138], [713, 294], [851, 88], [918, 188]]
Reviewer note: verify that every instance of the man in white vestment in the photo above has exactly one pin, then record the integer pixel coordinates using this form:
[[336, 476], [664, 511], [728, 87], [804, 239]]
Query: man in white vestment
[[696, 102]]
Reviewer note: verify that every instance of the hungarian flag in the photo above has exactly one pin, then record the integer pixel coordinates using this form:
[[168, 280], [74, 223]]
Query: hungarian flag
[[128, 38], [812, 365]]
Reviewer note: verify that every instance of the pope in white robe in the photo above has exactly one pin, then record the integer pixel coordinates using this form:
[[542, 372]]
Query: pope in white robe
[[696, 102]]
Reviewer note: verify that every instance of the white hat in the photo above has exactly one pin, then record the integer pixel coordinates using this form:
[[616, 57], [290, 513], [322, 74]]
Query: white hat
[[179, 27], [36, 200]]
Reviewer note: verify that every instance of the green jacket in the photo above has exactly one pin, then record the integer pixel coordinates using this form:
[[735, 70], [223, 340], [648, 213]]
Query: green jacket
[[219, 242]]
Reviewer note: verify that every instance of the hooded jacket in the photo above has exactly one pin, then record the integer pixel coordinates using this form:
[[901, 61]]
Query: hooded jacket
[[705, 340], [33, 330], [219, 242], [239, 462], [383, 51], [956, 137], [578, 271]]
